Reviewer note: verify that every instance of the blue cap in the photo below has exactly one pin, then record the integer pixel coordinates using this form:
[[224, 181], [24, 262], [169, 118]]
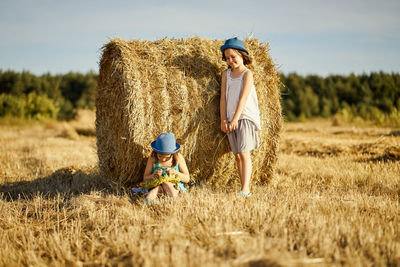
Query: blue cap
[[234, 43], [165, 144]]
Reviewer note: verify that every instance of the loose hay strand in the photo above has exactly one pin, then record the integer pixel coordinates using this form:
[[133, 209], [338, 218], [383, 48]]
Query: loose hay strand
[[173, 85]]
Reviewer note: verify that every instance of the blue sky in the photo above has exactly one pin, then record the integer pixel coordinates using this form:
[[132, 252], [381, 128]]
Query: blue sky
[[307, 37]]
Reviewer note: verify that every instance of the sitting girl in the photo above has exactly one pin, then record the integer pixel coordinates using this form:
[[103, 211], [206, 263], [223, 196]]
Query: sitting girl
[[165, 162]]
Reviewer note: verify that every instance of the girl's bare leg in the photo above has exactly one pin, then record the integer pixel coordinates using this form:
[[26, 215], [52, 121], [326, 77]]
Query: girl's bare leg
[[245, 172], [170, 190], [239, 167], [153, 192]]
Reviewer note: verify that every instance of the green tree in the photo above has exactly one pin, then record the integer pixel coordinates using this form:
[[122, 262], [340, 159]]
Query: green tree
[[40, 107]]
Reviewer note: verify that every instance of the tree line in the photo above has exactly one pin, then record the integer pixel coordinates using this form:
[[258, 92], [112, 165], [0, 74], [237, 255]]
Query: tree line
[[25, 95], [371, 97], [374, 96]]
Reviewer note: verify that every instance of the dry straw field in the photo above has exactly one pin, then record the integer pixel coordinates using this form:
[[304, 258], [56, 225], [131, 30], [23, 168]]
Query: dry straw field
[[334, 200]]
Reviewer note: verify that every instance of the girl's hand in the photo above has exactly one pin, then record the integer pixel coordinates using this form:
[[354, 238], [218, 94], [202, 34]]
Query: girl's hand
[[157, 173], [224, 126], [233, 125]]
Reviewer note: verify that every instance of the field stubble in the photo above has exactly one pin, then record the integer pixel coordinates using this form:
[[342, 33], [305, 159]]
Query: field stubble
[[334, 201]]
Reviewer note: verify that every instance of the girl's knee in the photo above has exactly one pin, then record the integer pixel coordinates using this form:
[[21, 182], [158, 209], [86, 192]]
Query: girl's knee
[[237, 157], [170, 190], [243, 155]]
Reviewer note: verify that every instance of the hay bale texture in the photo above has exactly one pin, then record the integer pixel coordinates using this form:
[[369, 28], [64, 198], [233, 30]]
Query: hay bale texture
[[146, 88]]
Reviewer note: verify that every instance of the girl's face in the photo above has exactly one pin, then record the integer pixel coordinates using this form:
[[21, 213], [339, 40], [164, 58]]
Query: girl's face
[[164, 157], [233, 58]]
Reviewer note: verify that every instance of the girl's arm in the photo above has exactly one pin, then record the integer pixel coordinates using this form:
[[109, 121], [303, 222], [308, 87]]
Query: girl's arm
[[149, 167], [244, 94], [222, 104], [184, 171]]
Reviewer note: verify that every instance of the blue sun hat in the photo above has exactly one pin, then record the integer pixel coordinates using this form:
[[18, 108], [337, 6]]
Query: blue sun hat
[[165, 144], [234, 43]]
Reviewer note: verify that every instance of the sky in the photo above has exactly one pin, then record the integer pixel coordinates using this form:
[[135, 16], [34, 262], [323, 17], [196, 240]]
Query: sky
[[307, 37]]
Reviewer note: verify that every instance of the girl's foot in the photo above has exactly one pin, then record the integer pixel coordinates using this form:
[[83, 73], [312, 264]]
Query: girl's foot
[[243, 194]]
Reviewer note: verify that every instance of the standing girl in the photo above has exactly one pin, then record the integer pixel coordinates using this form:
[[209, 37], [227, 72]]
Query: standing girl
[[240, 116], [166, 160]]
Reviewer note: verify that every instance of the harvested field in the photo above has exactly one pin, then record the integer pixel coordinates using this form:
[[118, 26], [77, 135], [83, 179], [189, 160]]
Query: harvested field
[[321, 209], [365, 144]]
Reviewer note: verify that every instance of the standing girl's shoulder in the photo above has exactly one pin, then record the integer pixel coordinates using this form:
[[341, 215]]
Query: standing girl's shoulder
[[248, 77]]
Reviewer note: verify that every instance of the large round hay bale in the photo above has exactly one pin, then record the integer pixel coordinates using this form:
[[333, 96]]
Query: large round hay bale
[[146, 88]]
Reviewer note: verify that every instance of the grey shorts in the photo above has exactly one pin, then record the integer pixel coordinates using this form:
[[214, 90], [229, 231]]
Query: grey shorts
[[245, 138]]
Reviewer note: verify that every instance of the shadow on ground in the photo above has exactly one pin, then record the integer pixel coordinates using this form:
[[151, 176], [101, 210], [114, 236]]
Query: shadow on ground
[[66, 181], [394, 133]]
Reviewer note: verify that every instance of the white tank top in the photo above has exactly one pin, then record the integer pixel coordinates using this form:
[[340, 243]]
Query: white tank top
[[233, 88]]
